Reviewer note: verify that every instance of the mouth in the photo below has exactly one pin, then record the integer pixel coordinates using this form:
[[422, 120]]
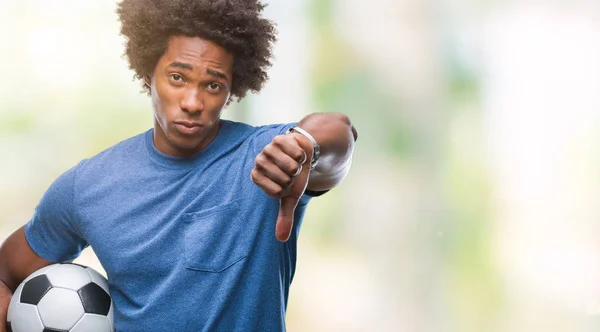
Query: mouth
[[187, 127]]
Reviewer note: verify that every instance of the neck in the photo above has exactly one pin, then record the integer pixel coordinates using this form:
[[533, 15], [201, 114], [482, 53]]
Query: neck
[[164, 145]]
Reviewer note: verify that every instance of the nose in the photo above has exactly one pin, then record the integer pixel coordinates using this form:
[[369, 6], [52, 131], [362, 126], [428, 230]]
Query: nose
[[192, 101]]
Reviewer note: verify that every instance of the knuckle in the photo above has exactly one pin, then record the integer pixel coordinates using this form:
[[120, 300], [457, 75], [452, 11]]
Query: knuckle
[[269, 150], [260, 160], [277, 191], [279, 139]]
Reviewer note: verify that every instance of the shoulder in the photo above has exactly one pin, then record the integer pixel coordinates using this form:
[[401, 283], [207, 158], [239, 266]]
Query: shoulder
[[127, 148], [119, 156]]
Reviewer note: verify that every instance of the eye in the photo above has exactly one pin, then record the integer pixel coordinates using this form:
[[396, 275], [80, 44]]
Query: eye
[[176, 78], [214, 87]]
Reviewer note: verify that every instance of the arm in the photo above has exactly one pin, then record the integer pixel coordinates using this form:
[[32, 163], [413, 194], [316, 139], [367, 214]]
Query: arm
[[52, 235], [17, 261]]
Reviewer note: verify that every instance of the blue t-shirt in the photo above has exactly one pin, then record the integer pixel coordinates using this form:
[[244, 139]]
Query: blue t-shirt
[[188, 244]]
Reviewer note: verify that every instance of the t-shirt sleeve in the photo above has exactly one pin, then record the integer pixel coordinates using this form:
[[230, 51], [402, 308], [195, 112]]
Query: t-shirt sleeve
[[52, 231]]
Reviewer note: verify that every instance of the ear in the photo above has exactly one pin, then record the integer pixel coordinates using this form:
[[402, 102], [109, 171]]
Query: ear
[[147, 81]]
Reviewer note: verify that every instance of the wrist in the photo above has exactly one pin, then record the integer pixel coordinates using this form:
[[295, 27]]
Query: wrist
[[310, 143]]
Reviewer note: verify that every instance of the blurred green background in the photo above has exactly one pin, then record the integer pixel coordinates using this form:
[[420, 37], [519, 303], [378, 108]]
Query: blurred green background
[[472, 204]]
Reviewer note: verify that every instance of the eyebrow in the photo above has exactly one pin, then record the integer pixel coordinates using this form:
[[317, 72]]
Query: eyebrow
[[216, 73], [181, 65], [189, 67]]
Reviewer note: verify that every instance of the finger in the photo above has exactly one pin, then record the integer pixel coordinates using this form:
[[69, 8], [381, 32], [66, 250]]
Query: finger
[[284, 161], [290, 146], [271, 188], [285, 218], [269, 169]]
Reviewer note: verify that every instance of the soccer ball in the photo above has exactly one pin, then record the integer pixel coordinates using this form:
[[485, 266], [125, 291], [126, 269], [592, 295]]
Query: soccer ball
[[62, 298]]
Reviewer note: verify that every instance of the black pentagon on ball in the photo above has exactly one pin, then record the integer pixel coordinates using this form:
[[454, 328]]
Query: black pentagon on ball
[[94, 299], [35, 289], [52, 330]]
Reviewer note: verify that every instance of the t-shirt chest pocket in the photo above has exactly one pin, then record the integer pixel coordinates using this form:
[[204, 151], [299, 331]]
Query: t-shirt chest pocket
[[216, 238]]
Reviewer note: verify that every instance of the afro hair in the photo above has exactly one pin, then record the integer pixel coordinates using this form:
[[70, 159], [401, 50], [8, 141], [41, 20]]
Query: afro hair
[[235, 25]]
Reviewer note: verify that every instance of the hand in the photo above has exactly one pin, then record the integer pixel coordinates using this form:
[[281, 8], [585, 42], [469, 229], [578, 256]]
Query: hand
[[281, 170]]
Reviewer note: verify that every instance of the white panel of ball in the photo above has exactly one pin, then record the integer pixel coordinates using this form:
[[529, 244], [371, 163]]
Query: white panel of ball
[[26, 319], [92, 322], [69, 276], [60, 308]]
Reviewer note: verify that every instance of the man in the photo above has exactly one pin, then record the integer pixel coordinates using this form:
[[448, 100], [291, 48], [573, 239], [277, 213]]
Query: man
[[196, 220]]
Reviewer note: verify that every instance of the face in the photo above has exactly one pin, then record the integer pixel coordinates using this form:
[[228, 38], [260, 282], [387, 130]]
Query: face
[[189, 87]]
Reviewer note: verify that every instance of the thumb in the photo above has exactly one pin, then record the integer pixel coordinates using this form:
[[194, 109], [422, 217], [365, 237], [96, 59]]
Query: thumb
[[285, 218], [287, 204]]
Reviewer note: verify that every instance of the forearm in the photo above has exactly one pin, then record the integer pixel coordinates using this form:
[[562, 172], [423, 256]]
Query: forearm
[[5, 296], [17, 260], [336, 136]]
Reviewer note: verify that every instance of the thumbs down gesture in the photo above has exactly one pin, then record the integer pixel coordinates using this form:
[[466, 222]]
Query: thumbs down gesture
[[282, 171]]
